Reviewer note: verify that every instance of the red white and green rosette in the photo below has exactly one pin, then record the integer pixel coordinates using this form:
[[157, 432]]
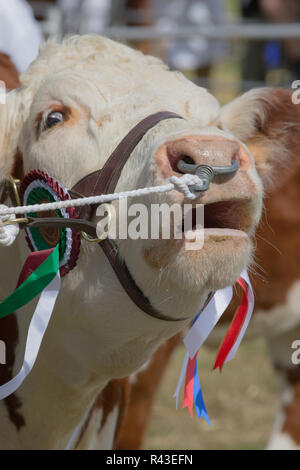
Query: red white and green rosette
[[37, 188]]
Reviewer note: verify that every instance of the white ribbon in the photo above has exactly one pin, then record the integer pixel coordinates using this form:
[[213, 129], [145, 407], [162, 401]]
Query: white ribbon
[[36, 331], [73, 438], [181, 378], [207, 321]]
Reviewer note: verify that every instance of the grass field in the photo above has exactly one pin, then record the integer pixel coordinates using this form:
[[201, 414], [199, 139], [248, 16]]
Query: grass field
[[241, 402]]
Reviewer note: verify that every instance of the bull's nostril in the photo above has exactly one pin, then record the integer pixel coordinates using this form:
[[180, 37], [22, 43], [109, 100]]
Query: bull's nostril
[[178, 151], [188, 160], [185, 159], [175, 159]]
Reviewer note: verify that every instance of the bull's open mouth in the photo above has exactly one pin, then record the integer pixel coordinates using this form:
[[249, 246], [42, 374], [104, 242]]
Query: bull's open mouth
[[224, 218], [225, 232]]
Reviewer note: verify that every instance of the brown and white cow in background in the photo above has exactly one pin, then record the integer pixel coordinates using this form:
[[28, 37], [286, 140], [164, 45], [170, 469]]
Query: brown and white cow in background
[[277, 283], [276, 286], [97, 334]]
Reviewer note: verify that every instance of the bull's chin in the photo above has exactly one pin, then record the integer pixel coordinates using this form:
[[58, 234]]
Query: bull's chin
[[217, 263]]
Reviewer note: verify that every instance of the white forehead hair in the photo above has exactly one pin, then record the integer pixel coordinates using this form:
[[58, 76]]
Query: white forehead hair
[[118, 73]]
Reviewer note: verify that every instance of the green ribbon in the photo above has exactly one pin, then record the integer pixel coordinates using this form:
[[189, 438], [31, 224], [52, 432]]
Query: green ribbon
[[35, 197], [33, 286]]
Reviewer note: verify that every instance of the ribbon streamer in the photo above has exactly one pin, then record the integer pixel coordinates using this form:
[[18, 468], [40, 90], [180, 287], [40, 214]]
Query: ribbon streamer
[[202, 327], [198, 397], [193, 392], [200, 330], [207, 320], [239, 324], [251, 302], [38, 279], [181, 379], [189, 385], [48, 269]]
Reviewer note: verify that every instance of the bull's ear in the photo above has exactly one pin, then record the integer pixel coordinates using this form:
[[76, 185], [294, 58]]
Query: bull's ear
[[14, 110], [268, 122]]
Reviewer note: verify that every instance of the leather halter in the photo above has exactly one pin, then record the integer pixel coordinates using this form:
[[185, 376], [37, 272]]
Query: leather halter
[[104, 181]]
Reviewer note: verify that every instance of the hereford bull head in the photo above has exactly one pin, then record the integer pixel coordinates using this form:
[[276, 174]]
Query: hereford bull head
[[75, 104]]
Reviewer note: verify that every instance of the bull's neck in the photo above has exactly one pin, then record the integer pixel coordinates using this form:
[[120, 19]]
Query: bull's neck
[[90, 340], [54, 400]]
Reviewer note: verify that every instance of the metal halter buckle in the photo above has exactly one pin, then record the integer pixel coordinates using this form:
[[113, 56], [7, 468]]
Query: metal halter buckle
[[105, 234], [14, 191], [11, 190], [24, 220]]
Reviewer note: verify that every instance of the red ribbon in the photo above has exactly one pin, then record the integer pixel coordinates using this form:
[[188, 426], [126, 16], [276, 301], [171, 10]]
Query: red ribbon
[[189, 385], [234, 329], [34, 260]]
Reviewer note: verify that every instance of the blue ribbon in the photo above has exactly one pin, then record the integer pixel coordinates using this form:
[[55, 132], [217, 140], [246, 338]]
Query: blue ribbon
[[198, 397]]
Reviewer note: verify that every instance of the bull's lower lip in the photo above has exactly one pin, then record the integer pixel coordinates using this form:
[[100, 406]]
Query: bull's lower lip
[[196, 243], [216, 234], [224, 232]]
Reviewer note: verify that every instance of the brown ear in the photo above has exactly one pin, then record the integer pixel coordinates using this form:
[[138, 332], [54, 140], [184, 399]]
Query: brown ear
[[10, 78], [268, 122], [13, 114], [10, 126], [8, 72]]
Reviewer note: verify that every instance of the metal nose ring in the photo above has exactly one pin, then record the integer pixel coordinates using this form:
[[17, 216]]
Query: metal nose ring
[[206, 173]]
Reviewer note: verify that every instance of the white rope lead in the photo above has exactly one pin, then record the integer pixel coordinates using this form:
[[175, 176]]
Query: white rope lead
[[179, 184], [8, 233]]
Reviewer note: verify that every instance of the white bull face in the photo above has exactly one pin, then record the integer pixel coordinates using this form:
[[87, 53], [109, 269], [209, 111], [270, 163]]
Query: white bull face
[[77, 103]]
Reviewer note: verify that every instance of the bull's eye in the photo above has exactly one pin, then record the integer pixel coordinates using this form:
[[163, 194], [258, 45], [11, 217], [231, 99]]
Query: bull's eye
[[54, 118]]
